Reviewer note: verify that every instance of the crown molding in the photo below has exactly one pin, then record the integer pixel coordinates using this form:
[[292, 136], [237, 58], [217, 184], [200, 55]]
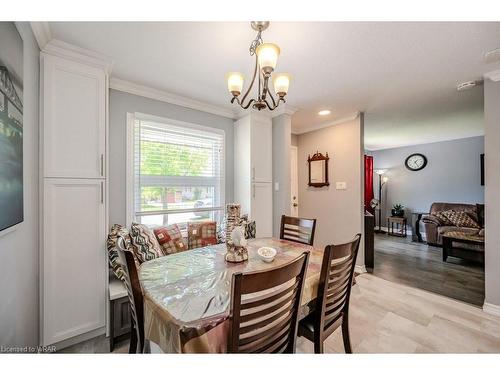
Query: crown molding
[[348, 118], [494, 75], [168, 97], [69, 51], [42, 33]]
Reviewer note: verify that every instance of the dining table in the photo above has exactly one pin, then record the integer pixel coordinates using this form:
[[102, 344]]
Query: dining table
[[187, 295]]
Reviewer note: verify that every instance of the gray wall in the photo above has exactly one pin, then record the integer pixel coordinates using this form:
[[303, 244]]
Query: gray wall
[[19, 248], [119, 104], [452, 174], [282, 127], [492, 183]]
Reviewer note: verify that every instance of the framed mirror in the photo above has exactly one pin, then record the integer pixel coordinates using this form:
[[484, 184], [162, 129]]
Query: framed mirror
[[318, 169]]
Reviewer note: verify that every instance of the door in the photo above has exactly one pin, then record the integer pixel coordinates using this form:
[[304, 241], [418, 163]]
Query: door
[[262, 208], [74, 125], [294, 180], [74, 264]]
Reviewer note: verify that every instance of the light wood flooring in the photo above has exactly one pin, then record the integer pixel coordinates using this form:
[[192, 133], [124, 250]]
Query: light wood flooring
[[421, 266], [387, 317]]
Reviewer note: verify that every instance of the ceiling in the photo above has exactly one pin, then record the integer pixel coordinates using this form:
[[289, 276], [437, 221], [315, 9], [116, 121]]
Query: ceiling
[[402, 75]]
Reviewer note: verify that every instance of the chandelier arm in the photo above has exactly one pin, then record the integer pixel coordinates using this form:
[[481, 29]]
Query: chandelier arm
[[274, 102], [253, 80], [248, 104], [269, 106]]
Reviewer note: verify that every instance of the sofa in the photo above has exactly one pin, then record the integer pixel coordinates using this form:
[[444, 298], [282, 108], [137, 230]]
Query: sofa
[[435, 227]]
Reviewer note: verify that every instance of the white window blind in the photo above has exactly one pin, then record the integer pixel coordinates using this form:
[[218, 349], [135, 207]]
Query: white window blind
[[178, 172]]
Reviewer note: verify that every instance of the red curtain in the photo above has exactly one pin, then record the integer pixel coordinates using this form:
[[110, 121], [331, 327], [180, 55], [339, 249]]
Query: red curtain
[[368, 182]]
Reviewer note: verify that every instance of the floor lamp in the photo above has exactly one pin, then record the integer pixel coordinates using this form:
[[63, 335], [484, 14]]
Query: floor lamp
[[381, 182]]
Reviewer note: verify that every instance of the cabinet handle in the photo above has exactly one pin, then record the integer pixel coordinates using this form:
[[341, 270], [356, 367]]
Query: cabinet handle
[[102, 164], [102, 192], [253, 173]]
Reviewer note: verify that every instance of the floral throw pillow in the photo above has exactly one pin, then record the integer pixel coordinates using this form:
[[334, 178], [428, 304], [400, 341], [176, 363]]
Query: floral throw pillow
[[461, 219], [115, 232], [202, 234], [170, 239], [144, 243]]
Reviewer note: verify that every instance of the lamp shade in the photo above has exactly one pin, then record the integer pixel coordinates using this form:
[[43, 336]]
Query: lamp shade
[[281, 83], [380, 171], [385, 179], [267, 55], [235, 82]]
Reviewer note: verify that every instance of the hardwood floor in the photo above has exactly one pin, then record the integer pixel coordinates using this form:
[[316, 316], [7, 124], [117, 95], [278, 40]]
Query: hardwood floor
[[421, 266], [387, 317]]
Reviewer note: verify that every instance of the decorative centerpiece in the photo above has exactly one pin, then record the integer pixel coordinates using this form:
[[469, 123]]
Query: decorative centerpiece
[[398, 210], [235, 235]]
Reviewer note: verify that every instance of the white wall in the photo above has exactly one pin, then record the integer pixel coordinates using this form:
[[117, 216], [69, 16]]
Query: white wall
[[19, 248], [119, 104], [282, 131], [492, 190], [339, 213]]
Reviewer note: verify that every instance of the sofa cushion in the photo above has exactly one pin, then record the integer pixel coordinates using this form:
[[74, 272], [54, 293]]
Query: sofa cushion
[[202, 234], [461, 219], [115, 232], [144, 243], [450, 228], [170, 239]]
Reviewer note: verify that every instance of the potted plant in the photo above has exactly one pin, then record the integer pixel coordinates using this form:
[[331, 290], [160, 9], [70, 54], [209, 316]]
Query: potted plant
[[398, 210]]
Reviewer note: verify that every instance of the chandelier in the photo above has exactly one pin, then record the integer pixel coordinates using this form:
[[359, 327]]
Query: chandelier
[[266, 57]]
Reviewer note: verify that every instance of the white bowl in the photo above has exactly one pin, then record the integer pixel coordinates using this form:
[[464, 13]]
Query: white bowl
[[267, 254]]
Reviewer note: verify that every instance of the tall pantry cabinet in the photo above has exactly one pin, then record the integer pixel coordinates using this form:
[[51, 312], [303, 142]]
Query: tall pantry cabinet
[[253, 171], [73, 194]]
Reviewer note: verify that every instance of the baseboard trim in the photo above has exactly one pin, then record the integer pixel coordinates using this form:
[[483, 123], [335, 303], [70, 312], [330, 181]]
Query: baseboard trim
[[360, 269], [491, 309]]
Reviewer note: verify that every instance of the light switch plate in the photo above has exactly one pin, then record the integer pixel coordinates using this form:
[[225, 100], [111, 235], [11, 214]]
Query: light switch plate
[[341, 185]]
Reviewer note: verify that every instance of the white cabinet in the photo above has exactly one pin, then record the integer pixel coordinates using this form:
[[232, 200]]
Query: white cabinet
[[74, 119], [261, 150], [253, 170], [262, 208], [74, 282], [73, 209]]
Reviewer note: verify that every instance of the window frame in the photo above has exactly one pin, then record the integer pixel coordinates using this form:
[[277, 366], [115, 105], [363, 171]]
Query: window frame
[[130, 183]]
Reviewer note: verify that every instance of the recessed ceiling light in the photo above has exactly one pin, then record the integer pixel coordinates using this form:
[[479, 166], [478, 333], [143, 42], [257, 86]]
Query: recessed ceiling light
[[324, 112]]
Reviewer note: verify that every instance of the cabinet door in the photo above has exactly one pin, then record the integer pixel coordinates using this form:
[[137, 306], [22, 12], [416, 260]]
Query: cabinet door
[[74, 118], [74, 262], [262, 208], [262, 150]]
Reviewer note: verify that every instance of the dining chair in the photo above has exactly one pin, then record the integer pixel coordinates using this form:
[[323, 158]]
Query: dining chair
[[297, 229], [264, 308], [134, 291], [332, 303]]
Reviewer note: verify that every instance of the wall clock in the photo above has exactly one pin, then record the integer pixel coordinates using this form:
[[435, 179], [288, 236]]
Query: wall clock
[[416, 162]]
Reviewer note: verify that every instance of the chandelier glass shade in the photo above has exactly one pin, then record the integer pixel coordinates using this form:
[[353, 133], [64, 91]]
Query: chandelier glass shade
[[266, 59]]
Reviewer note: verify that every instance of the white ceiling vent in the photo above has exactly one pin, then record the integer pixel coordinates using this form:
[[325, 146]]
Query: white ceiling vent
[[492, 56]]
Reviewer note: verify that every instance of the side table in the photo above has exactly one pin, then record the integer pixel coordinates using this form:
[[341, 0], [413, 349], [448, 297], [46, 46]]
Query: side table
[[400, 226]]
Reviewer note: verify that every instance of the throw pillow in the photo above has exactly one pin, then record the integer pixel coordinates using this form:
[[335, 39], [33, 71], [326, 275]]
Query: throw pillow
[[202, 234], [170, 239], [144, 243], [115, 232], [461, 219], [443, 218]]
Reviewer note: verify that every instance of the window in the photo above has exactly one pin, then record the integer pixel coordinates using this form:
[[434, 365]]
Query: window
[[175, 171]]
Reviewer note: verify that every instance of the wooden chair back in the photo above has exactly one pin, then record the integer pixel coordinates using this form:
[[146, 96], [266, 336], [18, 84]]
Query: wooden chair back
[[265, 307], [134, 291], [297, 229], [335, 283]]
